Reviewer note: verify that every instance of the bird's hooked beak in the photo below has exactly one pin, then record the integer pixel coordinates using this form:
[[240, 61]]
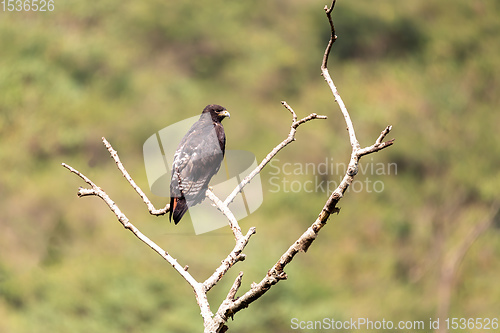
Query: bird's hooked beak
[[225, 113]]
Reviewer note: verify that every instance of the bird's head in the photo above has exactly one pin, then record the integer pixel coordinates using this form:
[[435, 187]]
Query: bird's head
[[217, 112]]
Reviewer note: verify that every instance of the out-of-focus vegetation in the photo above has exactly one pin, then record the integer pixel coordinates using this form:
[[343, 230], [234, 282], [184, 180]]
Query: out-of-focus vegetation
[[126, 69]]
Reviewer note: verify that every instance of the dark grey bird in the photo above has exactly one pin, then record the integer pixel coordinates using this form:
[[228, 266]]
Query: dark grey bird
[[196, 160]]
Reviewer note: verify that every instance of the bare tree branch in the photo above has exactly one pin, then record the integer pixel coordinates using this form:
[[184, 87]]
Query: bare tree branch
[[233, 257], [356, 152], [151, 208], [333, 37], [233, 223], [283, 144], [328, 79], [97, 191], [236, 285], [228, 308]]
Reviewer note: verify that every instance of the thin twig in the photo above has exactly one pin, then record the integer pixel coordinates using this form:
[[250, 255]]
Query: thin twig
[[329, 81], [276, 150], [333, 38], [236, 285], [119, 164]]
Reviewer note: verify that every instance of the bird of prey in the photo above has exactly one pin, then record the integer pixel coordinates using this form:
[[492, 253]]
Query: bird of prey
[[196, 160]]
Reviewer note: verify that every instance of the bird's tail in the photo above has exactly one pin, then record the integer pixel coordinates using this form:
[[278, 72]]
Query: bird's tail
[[178, 207]]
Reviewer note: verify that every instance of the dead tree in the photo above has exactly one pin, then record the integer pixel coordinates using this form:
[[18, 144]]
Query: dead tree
[[232, 303]]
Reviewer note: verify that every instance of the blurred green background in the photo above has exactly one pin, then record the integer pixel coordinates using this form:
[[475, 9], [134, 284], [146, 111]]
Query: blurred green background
[[126, 69]]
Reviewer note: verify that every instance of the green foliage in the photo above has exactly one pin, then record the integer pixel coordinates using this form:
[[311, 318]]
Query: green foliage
[[126, 69]]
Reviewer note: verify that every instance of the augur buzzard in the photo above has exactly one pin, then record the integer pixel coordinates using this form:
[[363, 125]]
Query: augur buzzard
[[196, 160]]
